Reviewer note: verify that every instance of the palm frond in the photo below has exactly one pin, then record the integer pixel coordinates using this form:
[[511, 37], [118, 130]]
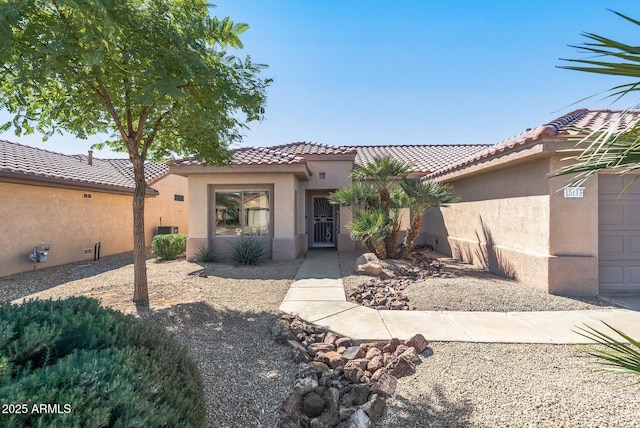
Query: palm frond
[[617, 356]]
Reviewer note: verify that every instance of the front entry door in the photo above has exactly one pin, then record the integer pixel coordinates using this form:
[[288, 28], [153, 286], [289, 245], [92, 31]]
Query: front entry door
[[323, 226]]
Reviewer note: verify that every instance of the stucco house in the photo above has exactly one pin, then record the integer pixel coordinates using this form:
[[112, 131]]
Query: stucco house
[[72, 203], [279, 194], [512, 217]]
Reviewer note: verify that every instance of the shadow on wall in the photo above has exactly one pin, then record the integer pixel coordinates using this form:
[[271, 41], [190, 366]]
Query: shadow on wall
[[489, 256]]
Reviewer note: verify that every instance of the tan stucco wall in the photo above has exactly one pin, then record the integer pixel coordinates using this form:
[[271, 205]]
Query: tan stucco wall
[[515, 221], [36, 215], [164, 210], [201, 193]]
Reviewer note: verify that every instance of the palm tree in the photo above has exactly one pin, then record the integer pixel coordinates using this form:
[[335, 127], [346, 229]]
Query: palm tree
[[371, 226], [612, 149], [383, 174], [424, 194]]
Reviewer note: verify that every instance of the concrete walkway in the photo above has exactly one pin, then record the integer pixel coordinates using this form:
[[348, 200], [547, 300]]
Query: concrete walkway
[[317, 295]]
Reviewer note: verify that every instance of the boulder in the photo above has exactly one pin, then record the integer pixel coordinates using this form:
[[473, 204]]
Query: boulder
[[386, 385], [312, 404], [368, 264], [360, 419], [418, 342], [401, 367], [374, 408]]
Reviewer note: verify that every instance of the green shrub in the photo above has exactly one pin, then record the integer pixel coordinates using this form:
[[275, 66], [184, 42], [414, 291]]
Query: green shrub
[[169, 247], [206, 254], [248, 250], [109, 368]]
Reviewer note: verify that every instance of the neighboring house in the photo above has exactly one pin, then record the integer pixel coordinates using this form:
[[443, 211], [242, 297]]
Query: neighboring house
[[72, 203], [512, 217]]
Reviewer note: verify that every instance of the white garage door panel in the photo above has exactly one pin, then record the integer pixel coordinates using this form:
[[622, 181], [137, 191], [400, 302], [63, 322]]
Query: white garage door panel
[[611, 275], [611, 215], [612, 246], [619, 234], [634, 246], [632, 214]]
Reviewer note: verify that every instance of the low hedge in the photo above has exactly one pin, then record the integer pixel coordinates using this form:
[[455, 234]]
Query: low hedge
[[169, 247], [73, 363]]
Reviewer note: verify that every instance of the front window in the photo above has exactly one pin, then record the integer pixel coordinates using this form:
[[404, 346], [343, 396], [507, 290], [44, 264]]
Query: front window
[[243, 212]]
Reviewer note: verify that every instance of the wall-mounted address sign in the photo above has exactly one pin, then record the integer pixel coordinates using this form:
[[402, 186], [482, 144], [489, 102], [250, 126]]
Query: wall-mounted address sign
[[574, 192]]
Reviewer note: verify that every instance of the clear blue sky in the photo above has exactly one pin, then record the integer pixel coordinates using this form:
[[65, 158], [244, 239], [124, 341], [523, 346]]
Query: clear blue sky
[[414, 72]]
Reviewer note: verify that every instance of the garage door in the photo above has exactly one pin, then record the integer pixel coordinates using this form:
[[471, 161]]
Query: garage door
[[619, 234]]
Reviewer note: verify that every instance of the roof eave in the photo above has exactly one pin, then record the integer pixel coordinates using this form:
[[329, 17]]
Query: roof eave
[[300, 170], [37, 180]]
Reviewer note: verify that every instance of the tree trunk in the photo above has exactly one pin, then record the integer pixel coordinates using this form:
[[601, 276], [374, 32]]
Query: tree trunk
[[140, 291], [412, 234]]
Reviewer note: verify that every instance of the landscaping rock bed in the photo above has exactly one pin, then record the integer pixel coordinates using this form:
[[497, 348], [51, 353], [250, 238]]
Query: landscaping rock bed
[[385, 292], [340, 383]]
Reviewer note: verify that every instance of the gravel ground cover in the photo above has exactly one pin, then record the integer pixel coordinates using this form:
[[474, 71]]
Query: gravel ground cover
[[225, 321], [462, 287]]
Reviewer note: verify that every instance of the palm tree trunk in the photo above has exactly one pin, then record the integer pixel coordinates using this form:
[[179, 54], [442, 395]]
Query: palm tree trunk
[[412, 234], [140, 291]]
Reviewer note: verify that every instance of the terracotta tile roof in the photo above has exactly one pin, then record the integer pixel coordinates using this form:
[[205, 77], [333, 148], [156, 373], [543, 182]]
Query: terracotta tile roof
[[250, 156], [312, 148], [18, 161], [423, 158], [576, 123]]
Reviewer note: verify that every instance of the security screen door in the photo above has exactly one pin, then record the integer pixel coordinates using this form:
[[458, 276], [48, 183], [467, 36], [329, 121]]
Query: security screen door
[[323, 223]]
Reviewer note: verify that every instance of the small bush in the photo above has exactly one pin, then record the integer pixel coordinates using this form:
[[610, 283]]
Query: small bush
[[206, 254], [169, 247], [100, 367], [248, 250]]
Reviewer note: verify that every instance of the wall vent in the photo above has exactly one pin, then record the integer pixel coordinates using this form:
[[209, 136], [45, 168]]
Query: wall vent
[[87, 250], [179, 198], [87, 196]]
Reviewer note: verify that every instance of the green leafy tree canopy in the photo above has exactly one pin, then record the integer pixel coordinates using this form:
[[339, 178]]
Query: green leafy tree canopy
[[155, 75]]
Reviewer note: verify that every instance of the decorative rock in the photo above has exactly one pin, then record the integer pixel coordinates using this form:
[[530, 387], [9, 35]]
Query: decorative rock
[[304, 385], [326, 420], [319, 366], [358, 395], [386, 385], [360, 420], [291, 405], [418, 342], [373, 352], [314, 348], [332, 399], [312, 404], [360, 363], [353, 352], [374, 408], [368, 264], [281, 332], [330, 338], [335, 359], [399, 350], [353, 374], [411, 355], [391, 346], [375, 363], [376, 375], [343, 341], [401, 367]]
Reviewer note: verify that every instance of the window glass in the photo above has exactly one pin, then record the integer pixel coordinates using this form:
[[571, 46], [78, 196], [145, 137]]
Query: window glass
[[228, 206], [242, 212]]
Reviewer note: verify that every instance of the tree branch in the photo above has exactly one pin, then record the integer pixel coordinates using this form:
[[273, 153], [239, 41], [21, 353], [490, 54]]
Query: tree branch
[[154, 130], [112, 111]]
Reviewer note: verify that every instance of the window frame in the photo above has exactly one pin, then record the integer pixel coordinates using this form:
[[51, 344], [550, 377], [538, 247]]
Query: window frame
[[242, 211]]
